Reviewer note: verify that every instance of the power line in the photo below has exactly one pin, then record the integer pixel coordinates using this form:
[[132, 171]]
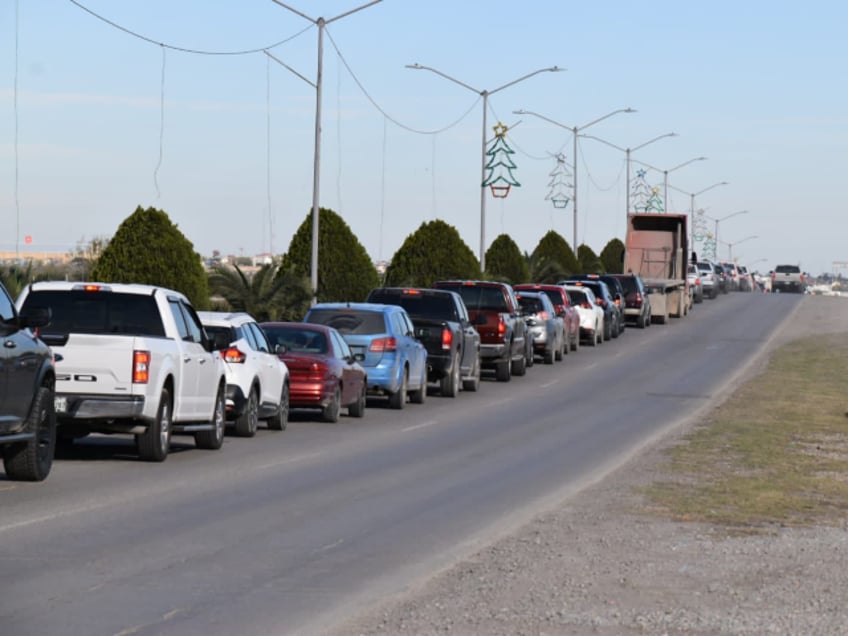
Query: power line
[[183, 49]]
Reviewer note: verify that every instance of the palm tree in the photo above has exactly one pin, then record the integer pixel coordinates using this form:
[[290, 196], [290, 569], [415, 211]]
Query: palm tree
[[544, 269], [267, 294], [15, 278]]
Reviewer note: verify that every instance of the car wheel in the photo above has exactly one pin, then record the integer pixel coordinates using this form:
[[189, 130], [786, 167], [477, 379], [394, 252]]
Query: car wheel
[[548, 356], [154, 443], [418, 396], [449, 384], [279, 421], [247, 423], [32, 460], [561, 350], [331, 412], [519, 367], [473, 383], [214, 439], [357, 409], [503, 371], [397, 400]]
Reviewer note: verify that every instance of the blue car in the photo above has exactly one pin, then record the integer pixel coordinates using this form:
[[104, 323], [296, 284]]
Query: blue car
[[384, 336]]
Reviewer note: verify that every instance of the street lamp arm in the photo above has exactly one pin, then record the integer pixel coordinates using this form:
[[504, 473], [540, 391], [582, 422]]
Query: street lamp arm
[[283, 64], [686, 163], [715, 185], [552, 69], [421, 67], [521, 111], [604, 142], [647, 165], [328, 20], [599, 119], [671, 134], [730, 215]]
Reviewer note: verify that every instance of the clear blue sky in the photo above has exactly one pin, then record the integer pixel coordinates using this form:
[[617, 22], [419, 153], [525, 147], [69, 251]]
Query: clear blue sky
[[757, 87]]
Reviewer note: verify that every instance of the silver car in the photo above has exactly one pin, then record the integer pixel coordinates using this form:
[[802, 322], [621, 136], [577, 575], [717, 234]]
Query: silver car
[[546, 328]]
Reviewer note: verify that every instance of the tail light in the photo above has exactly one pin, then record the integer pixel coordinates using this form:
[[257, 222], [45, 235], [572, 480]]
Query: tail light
[[382, 345], [501, 327], [447, 339], [638, 299], [233, 354], [141, 367], [316, 371], [586, 304], [543, 315]]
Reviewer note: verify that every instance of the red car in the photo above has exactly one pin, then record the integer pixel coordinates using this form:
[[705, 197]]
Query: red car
[[323, 373], [563, 307]]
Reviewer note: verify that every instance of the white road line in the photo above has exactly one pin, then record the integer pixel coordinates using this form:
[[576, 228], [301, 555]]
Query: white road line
[[422, 425], [550, 384], [290, 460], [57, 515]]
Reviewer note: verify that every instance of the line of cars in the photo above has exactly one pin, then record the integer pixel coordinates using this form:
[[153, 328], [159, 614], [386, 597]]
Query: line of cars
[[708, 279], [74, 340]]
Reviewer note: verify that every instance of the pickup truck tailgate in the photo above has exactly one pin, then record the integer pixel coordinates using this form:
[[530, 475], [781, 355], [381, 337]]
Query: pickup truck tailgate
[[95, 364]]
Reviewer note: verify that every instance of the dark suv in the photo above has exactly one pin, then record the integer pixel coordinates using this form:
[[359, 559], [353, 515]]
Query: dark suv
[[637, 304], [27, 391]]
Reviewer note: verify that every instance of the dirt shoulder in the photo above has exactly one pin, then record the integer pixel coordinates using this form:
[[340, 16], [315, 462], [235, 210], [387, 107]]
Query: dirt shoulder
[[599, 565]]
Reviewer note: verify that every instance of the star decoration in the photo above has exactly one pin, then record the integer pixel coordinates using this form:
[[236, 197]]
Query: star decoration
[[640, 173], [500, 129]]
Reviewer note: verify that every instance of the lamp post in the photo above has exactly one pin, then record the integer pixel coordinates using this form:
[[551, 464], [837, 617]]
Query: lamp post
[[627, 152], [692, 196], [485, 95], [317, 85], [731, 244], [574, 130], [724, 218], [665, 175]]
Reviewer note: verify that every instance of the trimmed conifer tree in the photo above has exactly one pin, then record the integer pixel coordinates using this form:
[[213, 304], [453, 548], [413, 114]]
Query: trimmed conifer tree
[[505, 262], [435, 251], [553, 259], [612, 256], [148, 248]]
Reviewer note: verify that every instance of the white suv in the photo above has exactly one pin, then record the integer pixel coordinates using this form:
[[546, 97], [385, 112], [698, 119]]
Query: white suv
[[257, 380]]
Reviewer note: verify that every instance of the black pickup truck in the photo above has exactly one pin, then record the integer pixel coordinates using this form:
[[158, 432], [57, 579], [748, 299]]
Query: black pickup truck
[[441, 323]]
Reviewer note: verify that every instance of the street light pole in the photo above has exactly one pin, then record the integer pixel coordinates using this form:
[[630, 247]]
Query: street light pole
[[627, 152], [574, 130], [485, 95], [730, 246], [316, 165], [724, 218], [665, 175], [692, 196]]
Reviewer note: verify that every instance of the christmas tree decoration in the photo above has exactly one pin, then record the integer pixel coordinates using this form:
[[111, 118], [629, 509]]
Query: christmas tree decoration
[[645, 198], [500, 166], [560, 183]]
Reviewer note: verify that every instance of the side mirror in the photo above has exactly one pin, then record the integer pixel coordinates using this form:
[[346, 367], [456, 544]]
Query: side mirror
[[280, 349], [358, 357]]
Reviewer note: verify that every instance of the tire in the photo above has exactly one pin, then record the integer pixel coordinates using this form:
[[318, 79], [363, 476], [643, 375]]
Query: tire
[[503, 371], [548, 357], [593, 341], [154, 443], [247, 423], [214, 439], [519, 367], [420, 395], [473, 383], [607, 335], [33, 459], [449, 385], [357, 409], [397, 400], [279, 421], [615, 329], [331, 412], [561, 350], [575, 344]]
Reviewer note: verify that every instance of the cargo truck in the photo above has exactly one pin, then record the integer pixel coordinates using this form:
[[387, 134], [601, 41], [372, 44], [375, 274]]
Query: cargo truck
[[656, 249]]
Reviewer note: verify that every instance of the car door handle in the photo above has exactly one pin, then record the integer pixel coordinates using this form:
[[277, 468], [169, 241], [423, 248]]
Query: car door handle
[[186, 359], [202, 360]]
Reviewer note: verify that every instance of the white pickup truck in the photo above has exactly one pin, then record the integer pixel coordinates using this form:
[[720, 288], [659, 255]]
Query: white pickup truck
[[134, 360]]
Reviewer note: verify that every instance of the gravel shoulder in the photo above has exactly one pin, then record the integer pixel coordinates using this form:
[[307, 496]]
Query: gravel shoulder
[[595, 565]]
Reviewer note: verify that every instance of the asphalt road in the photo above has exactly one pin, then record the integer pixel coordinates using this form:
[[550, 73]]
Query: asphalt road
[[289, 532]]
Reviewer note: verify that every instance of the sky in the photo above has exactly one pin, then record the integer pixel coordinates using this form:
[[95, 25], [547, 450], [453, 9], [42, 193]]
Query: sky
[[177, 106]]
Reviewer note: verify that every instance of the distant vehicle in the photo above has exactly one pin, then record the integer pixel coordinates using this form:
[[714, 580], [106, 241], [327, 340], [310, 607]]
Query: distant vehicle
[[732, 275], [27, 381], [543, 325], [494, 312], [257, 380], [135, 360], [723, 278], [709, 278], [656, 248], [383, 335], [591, 314], [788, 278], [323, 372], [637, 302], [746, 282], [616, 290], [563, 308], [443, 326], [695, 285], [603, 297]]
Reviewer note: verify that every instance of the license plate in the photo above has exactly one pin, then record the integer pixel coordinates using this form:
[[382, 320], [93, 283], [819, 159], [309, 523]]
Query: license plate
[[61, 404]]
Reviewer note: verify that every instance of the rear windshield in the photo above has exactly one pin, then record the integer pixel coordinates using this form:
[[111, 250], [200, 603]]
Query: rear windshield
[[577, 297], [788, 269], [530, 305], [353, 321], [297, 339], [481, 297], [97, 312], [434, 306], [628, 283]]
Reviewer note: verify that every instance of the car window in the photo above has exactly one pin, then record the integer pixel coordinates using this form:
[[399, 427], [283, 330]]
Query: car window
[[213, 330], [7, 309], [339, 344], [419, 305], [482, 297], [530, 304], [350, 321], [259, 336], [788, 269], [79, 311]]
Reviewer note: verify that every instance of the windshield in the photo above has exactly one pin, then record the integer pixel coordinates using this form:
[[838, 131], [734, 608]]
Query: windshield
[[350, 320]]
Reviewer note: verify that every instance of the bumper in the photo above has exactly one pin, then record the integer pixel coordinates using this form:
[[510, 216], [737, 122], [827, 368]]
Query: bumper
[[100, 407], [494, 353], [307, 394], [236, 401], [439, 365]]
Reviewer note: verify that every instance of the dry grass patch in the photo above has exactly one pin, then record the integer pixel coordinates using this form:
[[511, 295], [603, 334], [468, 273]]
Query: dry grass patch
[[776, 453]]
